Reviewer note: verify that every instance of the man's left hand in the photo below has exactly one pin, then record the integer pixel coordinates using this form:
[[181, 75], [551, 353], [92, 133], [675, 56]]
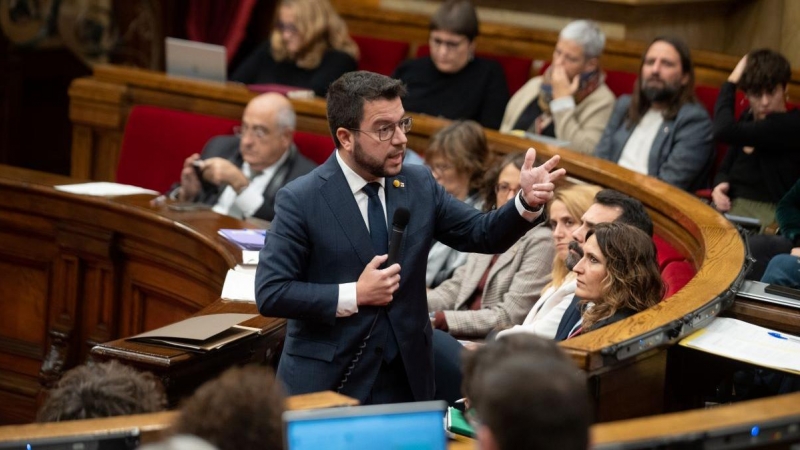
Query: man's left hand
[[538, 182]]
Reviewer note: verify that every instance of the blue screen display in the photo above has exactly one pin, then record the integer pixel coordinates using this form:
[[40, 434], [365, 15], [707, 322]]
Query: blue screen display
[[407, 431]]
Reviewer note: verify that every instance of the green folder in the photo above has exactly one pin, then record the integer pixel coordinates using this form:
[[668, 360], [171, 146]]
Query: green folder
[[457, 423]]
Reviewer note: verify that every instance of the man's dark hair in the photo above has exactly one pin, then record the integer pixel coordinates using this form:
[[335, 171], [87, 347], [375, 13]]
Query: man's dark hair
[[528, 393], [240, 409], [102, 390], [640, 103], [456, 16], [633, 212], [346, 97], [764, 71]]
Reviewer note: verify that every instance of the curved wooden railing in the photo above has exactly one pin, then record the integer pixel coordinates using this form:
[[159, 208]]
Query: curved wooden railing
[[631, 349], [77, 271]]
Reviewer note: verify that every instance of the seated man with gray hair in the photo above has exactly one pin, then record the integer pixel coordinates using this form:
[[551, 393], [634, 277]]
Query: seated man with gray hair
[[571, 101], [240, 175]]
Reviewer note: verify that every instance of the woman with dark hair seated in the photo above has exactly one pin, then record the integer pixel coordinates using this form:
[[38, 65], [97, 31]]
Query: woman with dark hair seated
[[451, 82], [617, 276], [763, 161], [309, 48]]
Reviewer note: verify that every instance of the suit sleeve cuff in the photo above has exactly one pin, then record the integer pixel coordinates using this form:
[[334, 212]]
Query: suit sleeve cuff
[[347, 305], [562, 104], [527, 215]]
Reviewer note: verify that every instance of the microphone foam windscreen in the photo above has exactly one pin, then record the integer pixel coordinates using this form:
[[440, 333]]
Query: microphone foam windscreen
[[401, 216]]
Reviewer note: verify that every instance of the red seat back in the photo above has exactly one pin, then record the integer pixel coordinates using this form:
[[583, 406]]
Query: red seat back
[[380, 55], [620, 82], [316, 147], [517, 70], [158, 140], [676, 275]]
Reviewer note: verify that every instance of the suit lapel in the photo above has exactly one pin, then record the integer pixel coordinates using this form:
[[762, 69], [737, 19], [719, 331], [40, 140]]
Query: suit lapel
[[653, 160], [502, 261], [336, 192], [469, 285]]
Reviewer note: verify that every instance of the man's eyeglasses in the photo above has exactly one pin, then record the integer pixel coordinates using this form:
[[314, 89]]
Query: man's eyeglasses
[[386, 132], [258, 132], [449, 45], [504, 188]]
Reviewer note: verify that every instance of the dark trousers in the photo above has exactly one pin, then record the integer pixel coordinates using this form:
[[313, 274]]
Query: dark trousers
[[391, 384], [447, 367]]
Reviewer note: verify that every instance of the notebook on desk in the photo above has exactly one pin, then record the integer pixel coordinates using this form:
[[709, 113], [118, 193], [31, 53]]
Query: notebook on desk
[[417, 425], [195, 60]]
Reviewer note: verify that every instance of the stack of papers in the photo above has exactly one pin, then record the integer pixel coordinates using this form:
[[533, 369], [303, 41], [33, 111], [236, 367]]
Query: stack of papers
[[750, 343], [201, 333], [249, 240]]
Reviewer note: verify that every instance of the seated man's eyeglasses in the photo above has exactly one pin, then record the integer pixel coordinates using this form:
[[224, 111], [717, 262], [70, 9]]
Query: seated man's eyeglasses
[[258, 131], [386, 132]]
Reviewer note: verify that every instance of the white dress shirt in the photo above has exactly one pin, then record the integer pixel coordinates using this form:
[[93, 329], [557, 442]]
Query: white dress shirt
[[247, 202], [636, 153]]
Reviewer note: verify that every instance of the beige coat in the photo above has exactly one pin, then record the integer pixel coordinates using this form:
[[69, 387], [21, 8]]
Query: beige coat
[[514, 284], [582, 126]]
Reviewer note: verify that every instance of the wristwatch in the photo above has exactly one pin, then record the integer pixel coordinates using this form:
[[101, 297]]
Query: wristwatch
[[528, 207]]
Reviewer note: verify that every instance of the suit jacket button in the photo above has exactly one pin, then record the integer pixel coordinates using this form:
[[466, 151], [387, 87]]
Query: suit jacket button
[[379, 351]]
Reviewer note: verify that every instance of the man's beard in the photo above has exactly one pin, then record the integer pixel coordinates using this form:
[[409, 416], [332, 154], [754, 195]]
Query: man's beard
[[372, 165], [665, 93], [574, 255]]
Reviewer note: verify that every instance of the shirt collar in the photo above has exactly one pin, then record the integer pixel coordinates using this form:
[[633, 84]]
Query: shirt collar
[[354, 180]]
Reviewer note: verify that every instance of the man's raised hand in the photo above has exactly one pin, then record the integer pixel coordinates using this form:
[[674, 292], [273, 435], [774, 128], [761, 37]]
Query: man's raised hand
[[538, 182]]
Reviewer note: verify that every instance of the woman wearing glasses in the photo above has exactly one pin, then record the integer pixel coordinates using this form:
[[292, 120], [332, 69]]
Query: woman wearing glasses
[[491, 291], [456, 155], [451, 82], [309, 48]]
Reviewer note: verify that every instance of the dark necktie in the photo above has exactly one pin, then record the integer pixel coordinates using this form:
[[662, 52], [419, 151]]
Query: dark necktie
[[377, 219]]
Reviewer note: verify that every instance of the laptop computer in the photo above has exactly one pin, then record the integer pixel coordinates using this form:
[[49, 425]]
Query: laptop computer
[[418, 425], [195, 60], [756, 290], [112, 440]]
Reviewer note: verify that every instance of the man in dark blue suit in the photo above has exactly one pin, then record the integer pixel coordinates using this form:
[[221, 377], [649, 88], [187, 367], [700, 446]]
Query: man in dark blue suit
[[354, 326], [609, 206]]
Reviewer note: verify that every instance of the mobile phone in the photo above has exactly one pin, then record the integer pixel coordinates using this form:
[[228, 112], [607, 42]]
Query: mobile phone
[[198, 170], [188, 206], [783, 291]]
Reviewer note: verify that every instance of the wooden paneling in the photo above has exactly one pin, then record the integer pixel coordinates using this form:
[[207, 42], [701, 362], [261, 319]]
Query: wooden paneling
[[77, 271]]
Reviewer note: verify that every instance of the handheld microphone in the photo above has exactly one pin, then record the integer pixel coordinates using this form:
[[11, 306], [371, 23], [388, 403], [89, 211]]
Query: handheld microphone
[[399, 222]]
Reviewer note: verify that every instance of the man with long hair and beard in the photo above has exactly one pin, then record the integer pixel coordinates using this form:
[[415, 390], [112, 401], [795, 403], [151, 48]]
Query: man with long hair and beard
[[661, 130]]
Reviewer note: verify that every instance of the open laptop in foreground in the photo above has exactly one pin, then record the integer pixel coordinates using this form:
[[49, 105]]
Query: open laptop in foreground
[[195, 60], [418, 425]]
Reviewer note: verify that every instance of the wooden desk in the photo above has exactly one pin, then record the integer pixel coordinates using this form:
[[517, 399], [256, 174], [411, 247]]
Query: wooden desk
[[78, 271], [626, 362]]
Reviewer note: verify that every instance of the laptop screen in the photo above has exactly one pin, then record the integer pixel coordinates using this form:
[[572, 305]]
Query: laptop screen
[[417, 426], [113, 440]]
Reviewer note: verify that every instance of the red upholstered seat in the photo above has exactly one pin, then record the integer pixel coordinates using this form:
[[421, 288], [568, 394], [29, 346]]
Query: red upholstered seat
[[620, 82], [676, 275], [666, 253], [158, 140], [380, 55], [316, 147], [516, 69]]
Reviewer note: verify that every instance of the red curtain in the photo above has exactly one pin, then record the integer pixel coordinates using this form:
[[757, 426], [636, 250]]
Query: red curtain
[[219, 22]]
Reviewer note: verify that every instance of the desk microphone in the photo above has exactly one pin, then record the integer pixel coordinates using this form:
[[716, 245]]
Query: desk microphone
[[399, 222]]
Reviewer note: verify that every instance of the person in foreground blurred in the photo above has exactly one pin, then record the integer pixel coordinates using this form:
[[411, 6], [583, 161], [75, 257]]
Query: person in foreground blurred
[[491, 291], [451, 82], [571, 101], [309, 48], [240, 409], [564, 212], [617, 276], [763, 161], [525, 393], [102, 390], [455, 155]]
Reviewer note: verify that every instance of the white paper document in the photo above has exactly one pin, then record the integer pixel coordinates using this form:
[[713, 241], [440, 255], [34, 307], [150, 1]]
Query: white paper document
[[103, 188], [750, 343], [240, 284]]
